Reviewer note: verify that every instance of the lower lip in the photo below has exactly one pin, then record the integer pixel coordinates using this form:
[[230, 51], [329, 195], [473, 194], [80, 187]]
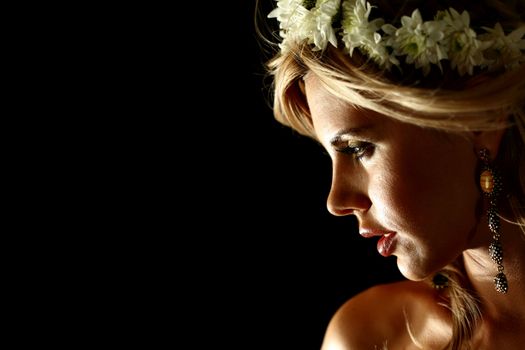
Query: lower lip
[[385, 245]]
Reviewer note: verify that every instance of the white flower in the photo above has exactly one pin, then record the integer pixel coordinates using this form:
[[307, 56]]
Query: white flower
[[420, 41], [464, 49], [423, 43], [291, 15], [504, 50], [287, 12], [318, 26], [358, 32], [297, 23]]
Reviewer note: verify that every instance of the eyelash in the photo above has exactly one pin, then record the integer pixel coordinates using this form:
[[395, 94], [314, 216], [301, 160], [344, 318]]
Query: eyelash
[[359, 150]]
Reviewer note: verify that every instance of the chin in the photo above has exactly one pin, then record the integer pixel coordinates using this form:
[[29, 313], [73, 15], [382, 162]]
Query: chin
[[413, 271]]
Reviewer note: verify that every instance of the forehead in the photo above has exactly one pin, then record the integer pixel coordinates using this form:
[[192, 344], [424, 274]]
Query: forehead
[[330, 114], [319, 99]]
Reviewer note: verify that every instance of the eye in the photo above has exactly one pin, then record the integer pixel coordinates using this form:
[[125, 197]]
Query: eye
[[358, 150]]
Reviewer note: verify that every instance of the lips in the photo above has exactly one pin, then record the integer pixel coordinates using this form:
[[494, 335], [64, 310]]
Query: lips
[[386, 244]]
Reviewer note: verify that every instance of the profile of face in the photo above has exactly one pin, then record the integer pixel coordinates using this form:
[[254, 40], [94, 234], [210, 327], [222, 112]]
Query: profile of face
[[414, 188]]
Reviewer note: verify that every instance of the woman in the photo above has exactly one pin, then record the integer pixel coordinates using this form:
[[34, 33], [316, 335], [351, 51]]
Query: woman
[[421, 107]]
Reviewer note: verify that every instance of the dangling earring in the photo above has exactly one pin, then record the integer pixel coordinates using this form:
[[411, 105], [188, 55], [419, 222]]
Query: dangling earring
[[491, 185]]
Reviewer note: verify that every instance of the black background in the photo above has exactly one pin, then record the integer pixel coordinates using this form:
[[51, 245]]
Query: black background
[[187, 215], [220, 236], [275, 261]]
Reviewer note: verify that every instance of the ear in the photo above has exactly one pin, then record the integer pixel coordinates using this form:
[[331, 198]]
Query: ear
[[491, 140]]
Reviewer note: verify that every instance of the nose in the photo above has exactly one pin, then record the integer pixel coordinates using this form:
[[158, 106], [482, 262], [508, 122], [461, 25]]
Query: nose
[[348, 194]]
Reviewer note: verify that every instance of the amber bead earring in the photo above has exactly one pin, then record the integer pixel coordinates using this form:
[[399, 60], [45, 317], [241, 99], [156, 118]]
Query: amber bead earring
[[491, 185]]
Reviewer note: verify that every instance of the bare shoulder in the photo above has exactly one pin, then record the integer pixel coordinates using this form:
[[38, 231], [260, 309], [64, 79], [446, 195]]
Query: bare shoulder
[[389, 316]]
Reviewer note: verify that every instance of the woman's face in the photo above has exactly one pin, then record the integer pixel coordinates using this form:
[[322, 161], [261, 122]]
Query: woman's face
[[414, 188]]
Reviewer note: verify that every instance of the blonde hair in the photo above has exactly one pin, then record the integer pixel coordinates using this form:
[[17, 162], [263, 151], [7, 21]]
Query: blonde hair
[[474, 104], [444, 101]]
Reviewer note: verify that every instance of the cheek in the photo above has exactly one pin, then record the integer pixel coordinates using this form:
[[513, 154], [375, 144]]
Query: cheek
[[428, 194], [392, 194]]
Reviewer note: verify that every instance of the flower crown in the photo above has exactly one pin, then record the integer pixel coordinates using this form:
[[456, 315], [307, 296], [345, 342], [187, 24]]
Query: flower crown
[[448, 36]]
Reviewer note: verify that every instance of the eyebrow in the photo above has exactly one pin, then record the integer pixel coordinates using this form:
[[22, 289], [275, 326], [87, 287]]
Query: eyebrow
[[343, 134]]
